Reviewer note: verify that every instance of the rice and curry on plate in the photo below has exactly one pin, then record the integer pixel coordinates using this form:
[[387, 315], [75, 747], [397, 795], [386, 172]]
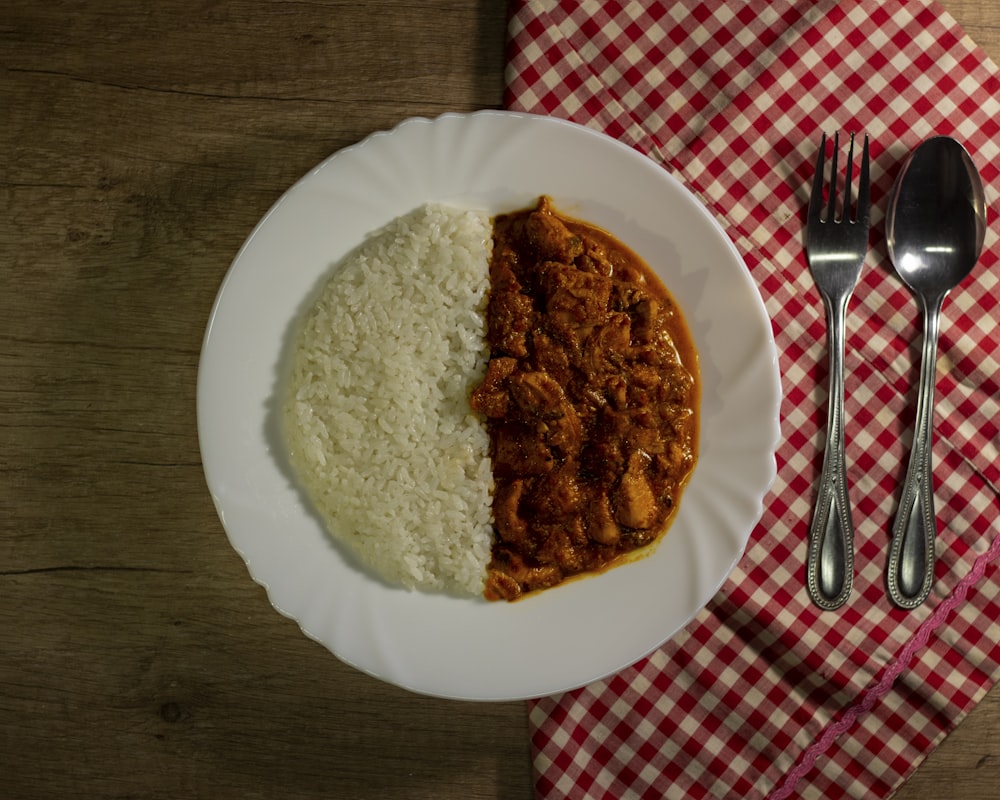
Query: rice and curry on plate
[[493, 406]]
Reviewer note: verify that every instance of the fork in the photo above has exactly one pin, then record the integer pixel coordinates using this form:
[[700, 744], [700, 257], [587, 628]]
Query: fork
[[835, 245]]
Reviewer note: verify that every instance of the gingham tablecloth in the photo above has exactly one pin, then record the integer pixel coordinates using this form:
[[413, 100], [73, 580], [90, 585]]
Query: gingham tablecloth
[[763, 695]]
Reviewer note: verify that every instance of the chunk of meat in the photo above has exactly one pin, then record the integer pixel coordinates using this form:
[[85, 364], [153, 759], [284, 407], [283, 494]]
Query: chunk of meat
[[508, 319], [536, 394], [516, 452], [647, 321], [644, 385], [601, 525], [616, 392], [635, 503], [538, 400], [491, 396], [660, 353], [596, 258], [625, 296], [563, 434], [511, 575], [501, 586], [676, 387], [550, 238], [607, 347], [565, 546], [602, 456], [550, 356], [554, 497], [511, 526], [502, 275], [574, 297], [648, 440]]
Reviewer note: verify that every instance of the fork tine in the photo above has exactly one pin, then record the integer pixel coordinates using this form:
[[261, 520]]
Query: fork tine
[[848, 184], [864, 197], [831, 208], [816, 196]]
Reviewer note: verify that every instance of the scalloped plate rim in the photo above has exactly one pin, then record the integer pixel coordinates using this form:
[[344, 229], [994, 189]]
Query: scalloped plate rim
[[364, 623]]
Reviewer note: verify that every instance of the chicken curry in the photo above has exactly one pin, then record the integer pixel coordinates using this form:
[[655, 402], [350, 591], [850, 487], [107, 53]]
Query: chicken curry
[[590, 398]]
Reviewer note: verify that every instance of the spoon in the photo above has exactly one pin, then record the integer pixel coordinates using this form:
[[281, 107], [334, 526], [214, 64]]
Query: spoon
[[935, 225]]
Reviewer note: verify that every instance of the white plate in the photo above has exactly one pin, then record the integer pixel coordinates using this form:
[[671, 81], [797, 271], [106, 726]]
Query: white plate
[[562, 638]]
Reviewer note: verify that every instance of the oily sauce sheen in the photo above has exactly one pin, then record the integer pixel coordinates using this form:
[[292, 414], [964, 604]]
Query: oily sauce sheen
[[591, 398]]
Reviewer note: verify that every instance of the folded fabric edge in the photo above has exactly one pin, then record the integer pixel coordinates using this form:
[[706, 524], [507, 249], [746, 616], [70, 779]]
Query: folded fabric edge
[[883, 686]]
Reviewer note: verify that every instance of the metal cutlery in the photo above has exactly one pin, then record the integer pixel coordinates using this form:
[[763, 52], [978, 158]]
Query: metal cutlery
[[935, 227], [836, 244]]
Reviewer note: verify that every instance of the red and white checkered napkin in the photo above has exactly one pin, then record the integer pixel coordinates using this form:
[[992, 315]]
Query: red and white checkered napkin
[[763, 695]]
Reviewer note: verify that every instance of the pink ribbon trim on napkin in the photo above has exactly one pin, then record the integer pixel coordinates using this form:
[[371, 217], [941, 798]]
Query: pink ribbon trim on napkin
[[873, 694]]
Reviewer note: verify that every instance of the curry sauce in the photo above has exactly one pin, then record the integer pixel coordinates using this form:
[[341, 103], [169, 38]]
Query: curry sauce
[[591, 400]]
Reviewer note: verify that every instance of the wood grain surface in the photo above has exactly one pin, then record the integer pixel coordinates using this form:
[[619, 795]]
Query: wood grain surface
[[139, 145]]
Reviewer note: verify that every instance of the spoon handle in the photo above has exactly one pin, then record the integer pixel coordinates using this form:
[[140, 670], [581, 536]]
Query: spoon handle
[[911, 554], [830, 561]]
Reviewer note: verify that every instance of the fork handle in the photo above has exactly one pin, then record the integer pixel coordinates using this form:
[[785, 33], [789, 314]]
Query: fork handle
[[830, 560], [910, 572]]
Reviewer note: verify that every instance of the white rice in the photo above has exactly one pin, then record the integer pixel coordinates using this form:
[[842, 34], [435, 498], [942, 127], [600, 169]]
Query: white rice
[[377, 414]]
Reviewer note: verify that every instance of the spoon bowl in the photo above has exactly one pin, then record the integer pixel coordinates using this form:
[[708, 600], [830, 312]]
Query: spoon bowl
[[935, 227], [936, 218]]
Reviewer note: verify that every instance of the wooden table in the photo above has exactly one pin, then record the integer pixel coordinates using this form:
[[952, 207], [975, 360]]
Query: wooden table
[[140, 144]]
